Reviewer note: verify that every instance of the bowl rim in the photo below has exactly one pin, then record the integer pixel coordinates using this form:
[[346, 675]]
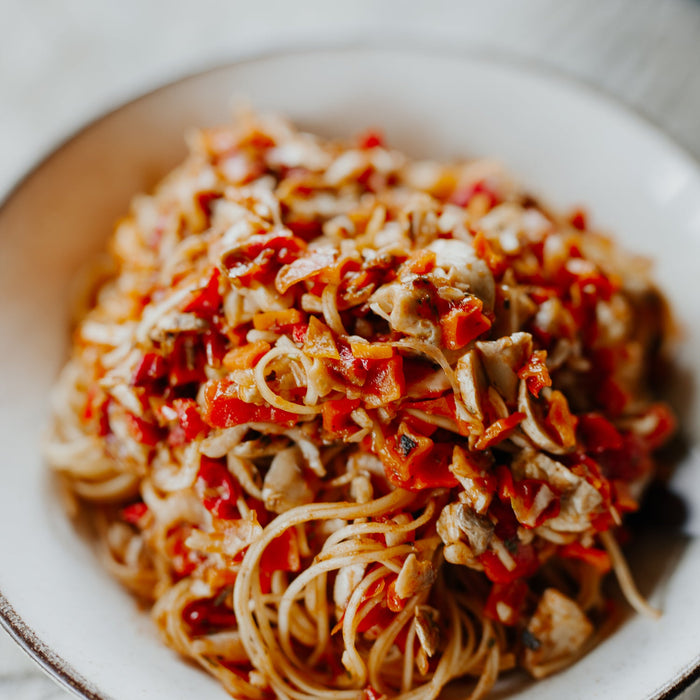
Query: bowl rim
[[11, 621]]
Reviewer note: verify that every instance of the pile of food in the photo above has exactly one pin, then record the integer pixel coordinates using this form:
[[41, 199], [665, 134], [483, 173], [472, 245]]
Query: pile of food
[[358, 425]]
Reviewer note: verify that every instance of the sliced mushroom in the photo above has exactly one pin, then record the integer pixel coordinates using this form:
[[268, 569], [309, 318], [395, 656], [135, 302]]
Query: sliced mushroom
[[415, 575], [578, 499], [465, 270], [472, 382], [426, 621], [532, 423], [347, 580], [502, 359], [285, 486], [468, 533]]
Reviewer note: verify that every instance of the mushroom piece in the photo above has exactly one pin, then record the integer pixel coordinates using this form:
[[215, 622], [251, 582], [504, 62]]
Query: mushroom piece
[[465, 533], [502, 359], [555, 634], [532, 424], [465, 270], [426, 621], [415, 575], [578, 499], [472, 382], [285, 486]]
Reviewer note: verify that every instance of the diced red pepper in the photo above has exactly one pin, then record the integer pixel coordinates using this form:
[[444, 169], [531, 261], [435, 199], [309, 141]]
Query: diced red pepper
[[598, 558], [246, 356], [206, 301], [217, 489], [223, 408], [664, 427], [385, 382], [371, 139], [183, 560], [597, 433], [151, 368], [261, 256], [336, 416], [207, 615], [505, 601], [526, 564], [578, 219], [188, 360], [282, 554], [144, 432], [215, 346], [134, 513], [561, 420], [499, 430], [190, 422], [463, 196], [535, 373], [463, 323]]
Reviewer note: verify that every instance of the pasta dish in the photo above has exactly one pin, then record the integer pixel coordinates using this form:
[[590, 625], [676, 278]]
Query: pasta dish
[[355, 425]]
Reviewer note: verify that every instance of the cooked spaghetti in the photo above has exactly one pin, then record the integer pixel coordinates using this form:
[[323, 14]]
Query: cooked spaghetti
[[356, 425]]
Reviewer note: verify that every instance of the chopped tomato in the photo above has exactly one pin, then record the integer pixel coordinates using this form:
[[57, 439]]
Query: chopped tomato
[[461, 197]]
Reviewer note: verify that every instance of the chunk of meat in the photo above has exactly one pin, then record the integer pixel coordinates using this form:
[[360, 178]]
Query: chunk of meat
[[285, 485], [555, 633]]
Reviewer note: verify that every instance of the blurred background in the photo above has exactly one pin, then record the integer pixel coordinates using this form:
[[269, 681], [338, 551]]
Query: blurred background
[[65, 62]]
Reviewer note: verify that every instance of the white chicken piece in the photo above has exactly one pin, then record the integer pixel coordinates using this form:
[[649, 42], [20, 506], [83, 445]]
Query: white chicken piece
[[555, 633], [284, 486]]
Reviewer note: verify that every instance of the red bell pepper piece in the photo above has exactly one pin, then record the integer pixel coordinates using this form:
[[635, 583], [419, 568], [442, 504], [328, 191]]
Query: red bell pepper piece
[[336, 416], [206, 301], [526, 564], [463, 323], [217, 489], [505, 601]]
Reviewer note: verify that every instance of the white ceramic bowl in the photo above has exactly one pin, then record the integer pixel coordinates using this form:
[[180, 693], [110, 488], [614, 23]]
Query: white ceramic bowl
[[566, 143]]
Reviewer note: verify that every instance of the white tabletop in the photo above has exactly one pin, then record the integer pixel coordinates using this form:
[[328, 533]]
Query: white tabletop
[[63, 62]]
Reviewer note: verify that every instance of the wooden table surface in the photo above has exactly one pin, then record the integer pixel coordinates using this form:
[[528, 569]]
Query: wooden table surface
[[63, 62]]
